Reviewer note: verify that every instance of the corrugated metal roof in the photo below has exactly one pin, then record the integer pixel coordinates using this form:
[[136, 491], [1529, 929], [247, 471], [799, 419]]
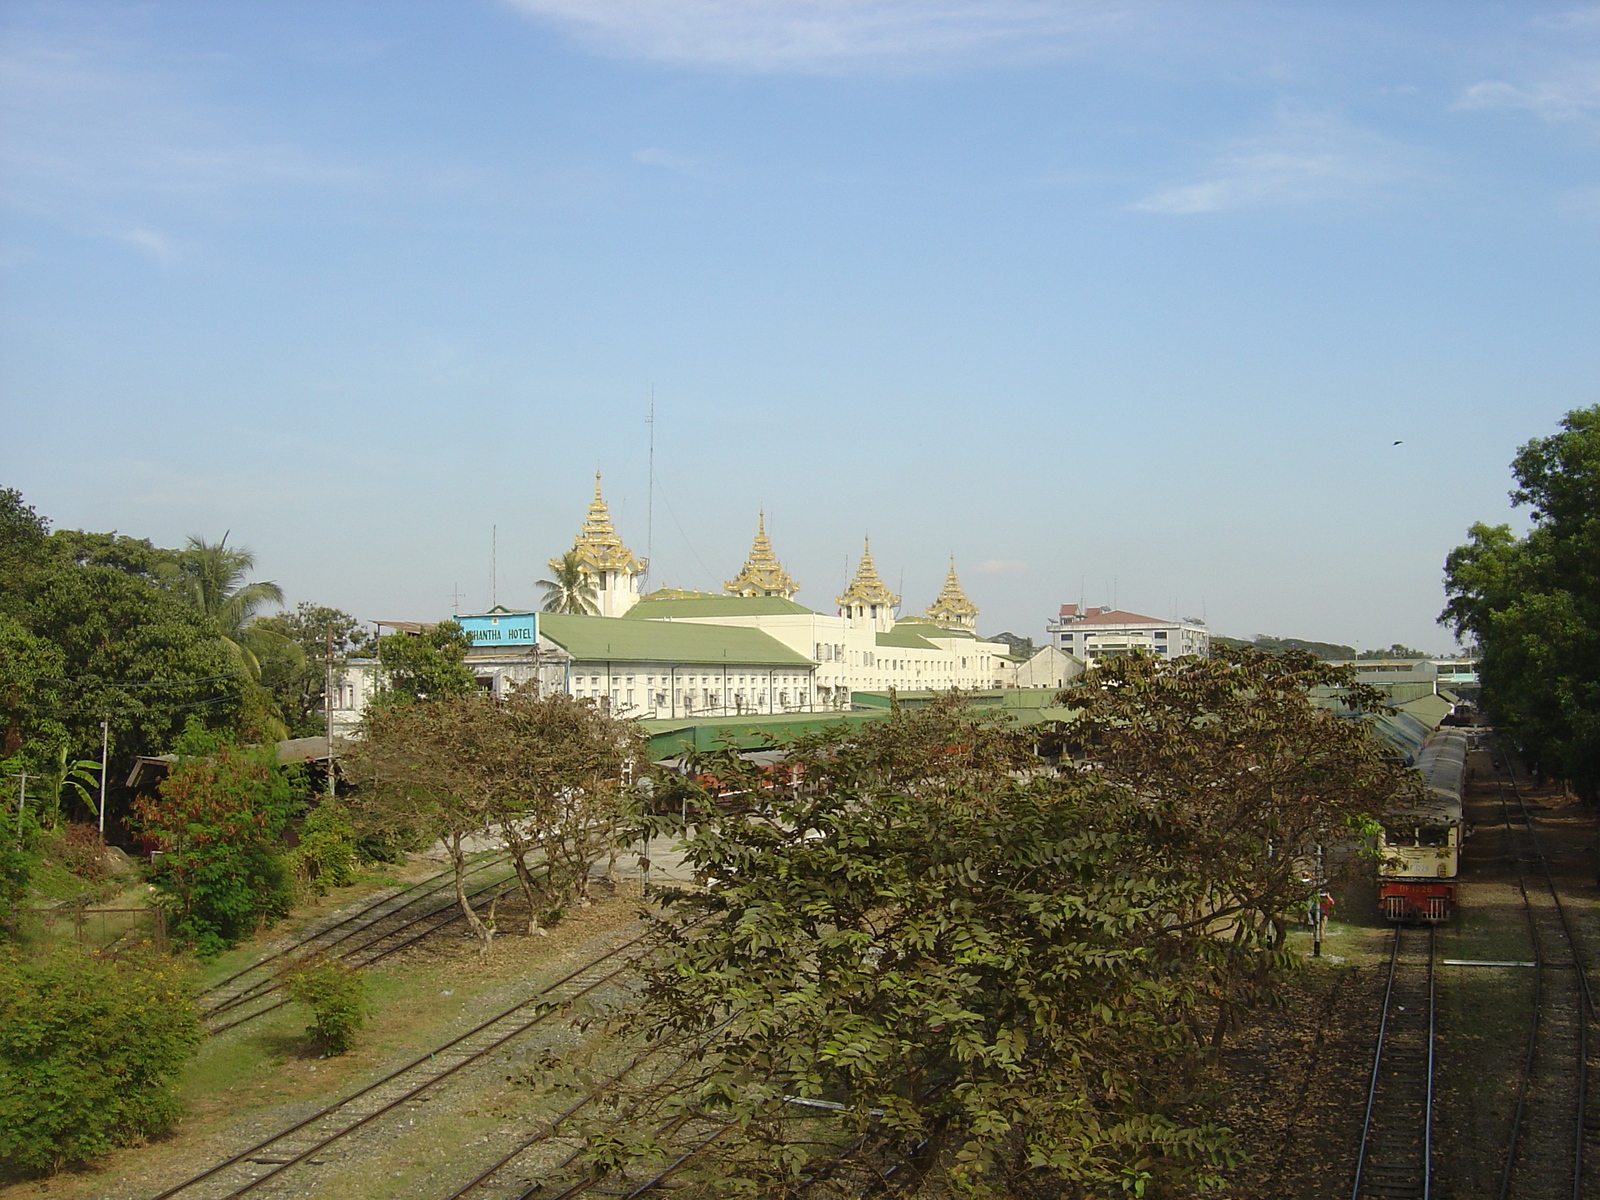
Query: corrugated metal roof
[[610, 639], [688, 735], [903, 639], [709, 604], [926, 628]]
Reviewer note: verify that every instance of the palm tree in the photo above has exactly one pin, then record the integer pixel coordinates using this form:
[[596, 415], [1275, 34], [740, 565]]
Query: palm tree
[[572, 590], [210, 576]]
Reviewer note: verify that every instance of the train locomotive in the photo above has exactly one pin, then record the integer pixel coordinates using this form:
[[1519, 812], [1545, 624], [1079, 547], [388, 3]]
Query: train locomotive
[[1420, 848]]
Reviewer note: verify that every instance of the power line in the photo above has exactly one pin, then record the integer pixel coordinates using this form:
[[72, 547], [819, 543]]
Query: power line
[[95, 679]]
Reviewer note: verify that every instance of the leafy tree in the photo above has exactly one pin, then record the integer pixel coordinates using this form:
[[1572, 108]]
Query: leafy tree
[[136, 556], [1242, 778], [88, 1051], [1325, 650], [1021, 647], [296, 671], [219, 819], [328, 852], [31, 671], [1533, 605], [572, 589], [1395, 651], [425, 665], [414, 781], [130, 651], [22, 539]]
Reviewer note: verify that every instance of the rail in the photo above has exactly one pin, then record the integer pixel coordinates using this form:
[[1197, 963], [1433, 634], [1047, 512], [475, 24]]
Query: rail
[[1395, 1158]]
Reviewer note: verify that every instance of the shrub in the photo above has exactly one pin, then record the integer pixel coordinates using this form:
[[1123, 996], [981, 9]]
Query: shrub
[[219, 820], [80, 850], [88, 1047], [326, 855], [337, 997]]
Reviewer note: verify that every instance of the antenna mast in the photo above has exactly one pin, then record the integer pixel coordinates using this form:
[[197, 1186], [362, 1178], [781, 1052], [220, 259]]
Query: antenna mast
[[494, 565], [650, 492]]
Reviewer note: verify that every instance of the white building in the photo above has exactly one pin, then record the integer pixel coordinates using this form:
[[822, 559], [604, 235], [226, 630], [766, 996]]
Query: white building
[[749, 649], [1095, 633]]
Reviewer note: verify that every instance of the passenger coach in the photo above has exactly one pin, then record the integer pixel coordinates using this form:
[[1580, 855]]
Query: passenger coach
[[1421, 846]]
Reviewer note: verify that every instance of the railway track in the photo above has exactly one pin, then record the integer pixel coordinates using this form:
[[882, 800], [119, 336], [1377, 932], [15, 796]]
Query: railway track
[[360, 938], [1395, 1159], [1551, 1149], [271, 1165]]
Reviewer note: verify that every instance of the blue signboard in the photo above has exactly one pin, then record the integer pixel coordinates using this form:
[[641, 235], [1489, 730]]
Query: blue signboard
[[501, 628]]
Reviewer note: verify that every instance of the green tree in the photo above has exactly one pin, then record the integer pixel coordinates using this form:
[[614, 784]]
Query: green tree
[[426, 665], [22, 539], [31, 680], [296, 671], [219, 819], [572, 590], [88, 1052], [1395, 651], [1532, 604]]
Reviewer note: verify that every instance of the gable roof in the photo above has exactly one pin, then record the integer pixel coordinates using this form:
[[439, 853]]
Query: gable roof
[[1109, 616], [904, 639], [611, 639], [658, 606]]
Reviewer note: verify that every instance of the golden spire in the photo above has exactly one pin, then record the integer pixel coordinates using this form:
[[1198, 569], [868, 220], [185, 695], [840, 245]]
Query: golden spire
[[866, 588], [952, 606], [762, 574], [598, 546]]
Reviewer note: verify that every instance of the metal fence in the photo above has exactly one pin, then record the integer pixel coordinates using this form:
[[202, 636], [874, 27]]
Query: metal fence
[[97, 929]]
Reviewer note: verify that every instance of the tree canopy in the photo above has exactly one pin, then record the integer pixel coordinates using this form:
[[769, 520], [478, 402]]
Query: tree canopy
[[425, 665], [1016, 975], [572, 589], [1532, 604]]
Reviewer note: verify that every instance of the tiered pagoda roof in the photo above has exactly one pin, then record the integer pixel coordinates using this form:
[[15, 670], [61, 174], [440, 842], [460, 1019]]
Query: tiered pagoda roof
[[867, 588], [952, 607], [762, 573], [598, 546]]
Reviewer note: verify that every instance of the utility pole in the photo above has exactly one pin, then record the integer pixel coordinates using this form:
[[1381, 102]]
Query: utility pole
[[22, 800], [105, 763], [327, 709], [650, 489]]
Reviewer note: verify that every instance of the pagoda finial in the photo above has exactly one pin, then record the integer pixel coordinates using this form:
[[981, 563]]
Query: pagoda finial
[[867, 589], [598, 547], [597, 485], [762, 574], [952, 607]]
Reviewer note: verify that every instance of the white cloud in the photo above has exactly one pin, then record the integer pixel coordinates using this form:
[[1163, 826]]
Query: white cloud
[[1306, 159], [817, 36], [666, 159], [1568, 95]]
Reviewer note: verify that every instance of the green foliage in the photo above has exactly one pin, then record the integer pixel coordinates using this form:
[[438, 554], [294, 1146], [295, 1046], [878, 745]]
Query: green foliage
[[1395, 651], [572, 589], [219, 821], [425, 666], [31, 671], [296, 670], [19, 858], [135, 556], [327, 854], [1533, 605], [1021, 647], [88, 1049], [79, 850], [336, 994], [22, 536], [546, 772], [1277, 645]]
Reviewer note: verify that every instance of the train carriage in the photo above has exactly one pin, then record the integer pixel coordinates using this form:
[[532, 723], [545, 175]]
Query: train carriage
[[1419, 851]]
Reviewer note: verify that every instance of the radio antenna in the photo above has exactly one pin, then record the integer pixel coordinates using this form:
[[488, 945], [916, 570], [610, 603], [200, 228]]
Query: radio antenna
[[650, 491]]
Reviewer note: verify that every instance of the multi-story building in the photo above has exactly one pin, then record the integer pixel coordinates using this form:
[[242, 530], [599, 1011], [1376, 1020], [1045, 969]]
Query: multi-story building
[[1095, 633]]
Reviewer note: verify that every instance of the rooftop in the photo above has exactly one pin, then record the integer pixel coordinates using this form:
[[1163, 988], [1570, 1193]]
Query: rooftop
[[666, 604], [613, 639]]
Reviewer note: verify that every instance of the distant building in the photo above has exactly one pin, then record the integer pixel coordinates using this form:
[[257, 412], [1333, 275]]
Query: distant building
[[1095, 633], [1047, 668]]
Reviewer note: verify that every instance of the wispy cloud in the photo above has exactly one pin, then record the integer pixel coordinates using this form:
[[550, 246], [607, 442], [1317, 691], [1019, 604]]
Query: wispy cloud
[[1571, 94], [1307, 158], [824, 36], [667, 160], [100, 143]]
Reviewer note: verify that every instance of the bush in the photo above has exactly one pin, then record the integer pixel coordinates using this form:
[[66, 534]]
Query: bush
[[88, 1048], [220, 820], [80, 850], [337, 997], [326, 855]]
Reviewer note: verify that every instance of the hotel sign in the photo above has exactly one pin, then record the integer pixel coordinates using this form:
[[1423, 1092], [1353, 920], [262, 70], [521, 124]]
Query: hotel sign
[[501, 628]]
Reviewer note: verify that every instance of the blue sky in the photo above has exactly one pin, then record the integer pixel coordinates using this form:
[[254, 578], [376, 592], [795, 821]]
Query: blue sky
[[1112, 301]]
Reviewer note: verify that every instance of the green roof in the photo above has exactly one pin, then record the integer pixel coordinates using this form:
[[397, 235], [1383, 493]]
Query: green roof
[[930, 628], [1026, 706], [684, 735], [904, 639], [664, 605], [609, 639]]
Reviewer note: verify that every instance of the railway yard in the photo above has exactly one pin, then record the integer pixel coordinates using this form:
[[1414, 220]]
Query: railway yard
[[1448, 1061]]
